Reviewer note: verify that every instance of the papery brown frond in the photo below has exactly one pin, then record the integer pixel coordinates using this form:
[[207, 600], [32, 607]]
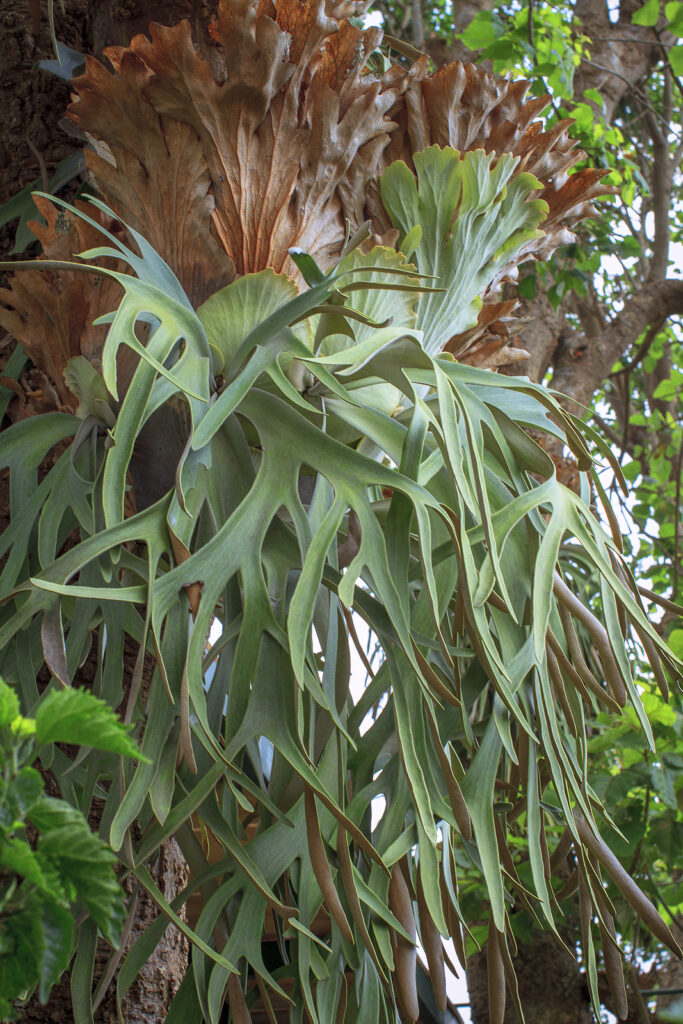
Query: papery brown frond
[[466, 108], [288, 121], [276, 142], [51, 312], [152, 171], [488, 344], [290, 136]]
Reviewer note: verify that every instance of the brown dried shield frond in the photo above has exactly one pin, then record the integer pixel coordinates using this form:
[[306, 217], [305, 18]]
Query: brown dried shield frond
[[466, 108], [268, 133], [51, 312], [276, 141]]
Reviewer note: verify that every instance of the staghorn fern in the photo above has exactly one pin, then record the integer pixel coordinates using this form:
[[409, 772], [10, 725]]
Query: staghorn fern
[[303, 458]]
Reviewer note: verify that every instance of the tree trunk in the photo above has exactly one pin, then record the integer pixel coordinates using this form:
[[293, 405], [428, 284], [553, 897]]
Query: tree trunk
[[150, 997], [552, 988], [35, 134], [33, 105]]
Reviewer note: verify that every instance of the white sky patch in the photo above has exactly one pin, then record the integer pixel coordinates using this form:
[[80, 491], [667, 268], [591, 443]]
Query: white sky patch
[[215, 631], [373, 18], [613, 10]]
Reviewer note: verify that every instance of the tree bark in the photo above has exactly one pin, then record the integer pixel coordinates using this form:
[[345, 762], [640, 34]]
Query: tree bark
[[33, 131], [551, 986], [149, 998]]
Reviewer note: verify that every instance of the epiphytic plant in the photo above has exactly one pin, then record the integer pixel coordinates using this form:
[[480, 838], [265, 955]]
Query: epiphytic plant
[[267, 396]]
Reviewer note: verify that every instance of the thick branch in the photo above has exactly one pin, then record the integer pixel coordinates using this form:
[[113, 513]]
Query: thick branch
[[584, 364], [620, 55]]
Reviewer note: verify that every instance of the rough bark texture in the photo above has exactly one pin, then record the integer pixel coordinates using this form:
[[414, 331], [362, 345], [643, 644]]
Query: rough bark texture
[[149, 998], [33, 102], [621, 55], [551, 987]]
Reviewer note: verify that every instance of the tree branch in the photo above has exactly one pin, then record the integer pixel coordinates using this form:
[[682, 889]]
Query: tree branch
[[643, 349], [584, 363], [661, 183]]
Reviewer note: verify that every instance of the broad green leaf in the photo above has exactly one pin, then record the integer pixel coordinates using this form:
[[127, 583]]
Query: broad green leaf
[[674, 14], [477, 787], [16, 856], [23, 948], [9, 704], [24, 790], [676, 59], [647, 15], [58, 930], [81, 857], [480, 32], [231, 314], [78, 716]]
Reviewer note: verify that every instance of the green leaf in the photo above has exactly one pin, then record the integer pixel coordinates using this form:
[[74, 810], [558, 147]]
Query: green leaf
[[675, 641], [78, 716], [676, 59], [22, 950], [477, 787], [476, 216], [647, 15], [83, 859], [58, 931], [9, 704], [631, 470], [674, 14], [666, 390], [231, 314], [595, 96], [24, 790], [18, 857], [480, 32], [307, 267], [527, 287]]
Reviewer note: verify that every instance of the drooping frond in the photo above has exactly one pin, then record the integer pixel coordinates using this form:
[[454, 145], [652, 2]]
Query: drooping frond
[[326, 461]]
